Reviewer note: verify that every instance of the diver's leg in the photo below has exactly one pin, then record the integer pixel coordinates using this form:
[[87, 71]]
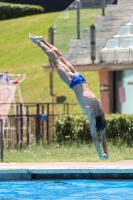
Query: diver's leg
[[61, 57], [104, 143], [90, 114], [34, 39], [62, 69]]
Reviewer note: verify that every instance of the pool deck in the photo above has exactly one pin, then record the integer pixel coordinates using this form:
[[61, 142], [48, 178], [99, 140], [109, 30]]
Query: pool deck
[[67, 170]]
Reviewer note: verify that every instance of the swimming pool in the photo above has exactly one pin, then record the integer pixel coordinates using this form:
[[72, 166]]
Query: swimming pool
[[67, 190]]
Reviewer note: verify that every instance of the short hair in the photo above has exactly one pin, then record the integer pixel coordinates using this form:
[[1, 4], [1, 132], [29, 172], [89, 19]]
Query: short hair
[[101, 123]]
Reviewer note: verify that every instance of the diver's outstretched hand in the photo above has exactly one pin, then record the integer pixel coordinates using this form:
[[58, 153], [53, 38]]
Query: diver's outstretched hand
[[104, 157]]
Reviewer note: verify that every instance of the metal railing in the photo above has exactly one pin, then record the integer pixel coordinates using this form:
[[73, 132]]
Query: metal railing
[[34, 127], [37, 108], [21, 130]]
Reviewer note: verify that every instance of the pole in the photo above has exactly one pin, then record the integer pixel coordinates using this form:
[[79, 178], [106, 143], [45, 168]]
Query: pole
[[93, 43], [1, 140], [103, 7], [78, 19], [51, 41], [47, 134], [37, 123], [21, 125]]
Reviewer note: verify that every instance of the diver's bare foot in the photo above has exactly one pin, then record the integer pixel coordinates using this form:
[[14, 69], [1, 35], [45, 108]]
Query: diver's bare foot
[[35, 38]]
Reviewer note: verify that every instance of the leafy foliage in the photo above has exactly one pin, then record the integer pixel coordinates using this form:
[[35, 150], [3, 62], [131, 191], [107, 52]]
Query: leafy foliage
[[73, 128], [119, 126], [65, 128], [9, 10]]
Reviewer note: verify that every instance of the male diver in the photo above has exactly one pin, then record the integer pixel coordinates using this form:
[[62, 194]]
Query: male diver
[[85, 97]]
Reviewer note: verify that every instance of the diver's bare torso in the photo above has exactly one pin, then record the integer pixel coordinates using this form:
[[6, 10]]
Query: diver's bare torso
[[84, 95], [87, 99]]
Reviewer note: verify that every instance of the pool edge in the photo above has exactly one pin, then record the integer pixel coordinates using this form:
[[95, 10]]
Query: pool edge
[[32, 173]]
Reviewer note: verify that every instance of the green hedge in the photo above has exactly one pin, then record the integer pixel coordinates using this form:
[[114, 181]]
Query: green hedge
[[76, 128], [9, 10], [71, 128]]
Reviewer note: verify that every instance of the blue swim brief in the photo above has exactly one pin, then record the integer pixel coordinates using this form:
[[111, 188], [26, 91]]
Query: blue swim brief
[[77, 79]]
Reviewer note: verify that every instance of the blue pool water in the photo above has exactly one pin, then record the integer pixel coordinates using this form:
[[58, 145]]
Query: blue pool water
[[67, 190]]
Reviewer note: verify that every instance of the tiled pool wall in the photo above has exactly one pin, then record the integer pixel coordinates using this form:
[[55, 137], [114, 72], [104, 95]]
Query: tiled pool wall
[[31, 174]]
